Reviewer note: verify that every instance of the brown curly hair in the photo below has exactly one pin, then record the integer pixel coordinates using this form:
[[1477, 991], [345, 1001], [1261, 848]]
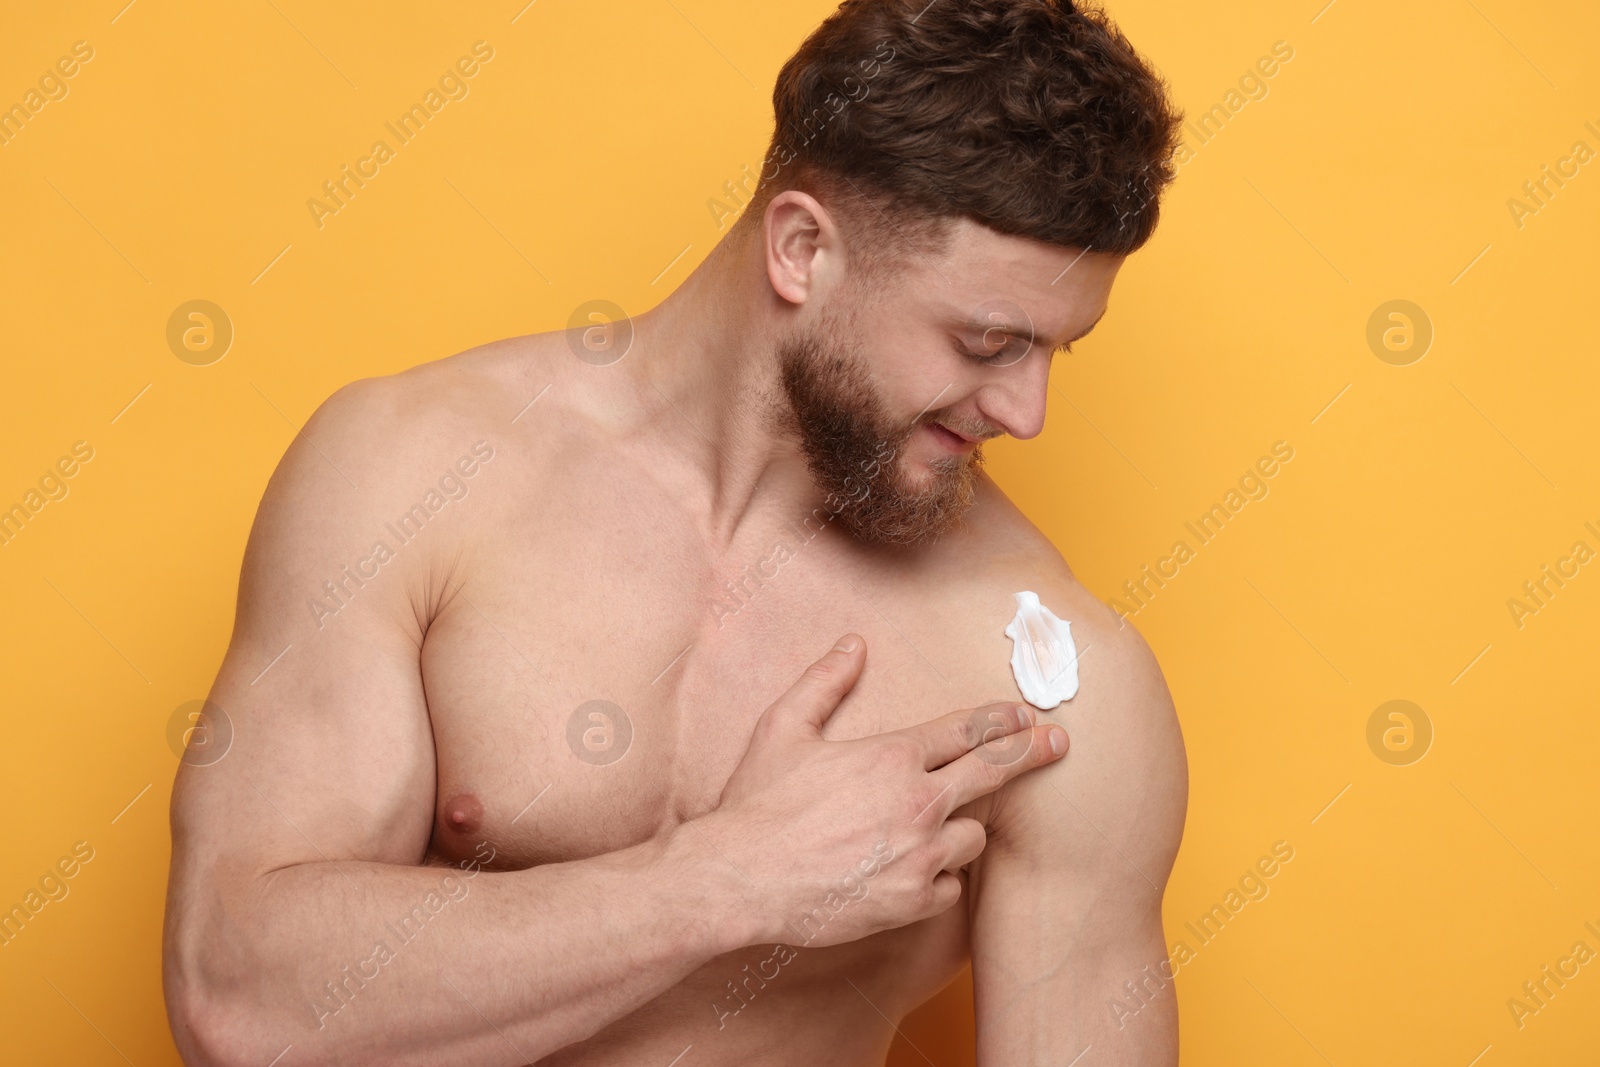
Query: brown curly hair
[[1035, 118]]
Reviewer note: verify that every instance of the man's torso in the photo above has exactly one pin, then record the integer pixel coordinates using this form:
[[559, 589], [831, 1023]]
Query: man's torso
[[594, 664]]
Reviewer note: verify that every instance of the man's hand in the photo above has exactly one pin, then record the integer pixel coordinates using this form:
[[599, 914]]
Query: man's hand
[[842, 839]]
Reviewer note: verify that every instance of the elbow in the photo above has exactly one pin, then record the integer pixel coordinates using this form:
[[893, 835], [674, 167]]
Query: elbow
[[216, 1020], [221, 1032], [208, 1032]]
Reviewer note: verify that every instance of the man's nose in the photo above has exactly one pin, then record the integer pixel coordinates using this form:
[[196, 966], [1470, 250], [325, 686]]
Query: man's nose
[[1014, 397]]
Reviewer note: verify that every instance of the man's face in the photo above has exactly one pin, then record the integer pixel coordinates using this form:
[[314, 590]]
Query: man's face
[[893, 391]]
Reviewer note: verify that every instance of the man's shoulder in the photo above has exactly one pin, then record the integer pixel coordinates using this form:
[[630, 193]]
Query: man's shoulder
[[997, 553], [479, 388], [374, 437], [379, 447], [1124, 780]]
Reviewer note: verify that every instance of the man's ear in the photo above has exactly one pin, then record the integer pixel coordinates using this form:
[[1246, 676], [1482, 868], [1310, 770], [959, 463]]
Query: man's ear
[[802, 245]]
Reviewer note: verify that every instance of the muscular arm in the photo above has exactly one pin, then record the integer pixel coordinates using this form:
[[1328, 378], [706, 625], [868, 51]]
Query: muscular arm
[[1066, 899], [299, 913]]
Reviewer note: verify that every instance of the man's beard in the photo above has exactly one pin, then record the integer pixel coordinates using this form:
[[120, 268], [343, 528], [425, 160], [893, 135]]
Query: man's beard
[[854, 447]]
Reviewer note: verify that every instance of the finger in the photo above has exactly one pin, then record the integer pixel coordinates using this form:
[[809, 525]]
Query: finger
[[810, 701], [962, 841], [952, 736], [946, 891], [990, 766]]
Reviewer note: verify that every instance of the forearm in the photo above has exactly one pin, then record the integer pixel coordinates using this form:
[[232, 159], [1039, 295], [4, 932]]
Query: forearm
[[364, 962]]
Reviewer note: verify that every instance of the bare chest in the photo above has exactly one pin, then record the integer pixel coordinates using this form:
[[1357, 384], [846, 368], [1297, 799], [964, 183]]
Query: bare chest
[[599, 685], [594, 680]]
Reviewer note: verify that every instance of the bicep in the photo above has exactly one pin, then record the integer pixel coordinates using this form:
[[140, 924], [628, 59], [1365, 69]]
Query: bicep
[[1067, 942], [317, 744]]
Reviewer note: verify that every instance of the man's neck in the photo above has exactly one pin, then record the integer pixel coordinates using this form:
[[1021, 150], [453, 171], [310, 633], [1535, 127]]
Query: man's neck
[[707, 355]]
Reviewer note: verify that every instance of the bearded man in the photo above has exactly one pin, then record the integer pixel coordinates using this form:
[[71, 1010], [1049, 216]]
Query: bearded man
[[644, 693]]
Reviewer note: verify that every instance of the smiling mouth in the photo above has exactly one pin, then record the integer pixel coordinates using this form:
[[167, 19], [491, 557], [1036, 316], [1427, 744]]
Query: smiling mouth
[[951, 439]]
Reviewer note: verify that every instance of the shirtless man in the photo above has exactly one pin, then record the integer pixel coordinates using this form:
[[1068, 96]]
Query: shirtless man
[[537, 740]]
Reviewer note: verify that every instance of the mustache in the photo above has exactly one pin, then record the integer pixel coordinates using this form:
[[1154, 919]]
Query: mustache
[[978, 430]]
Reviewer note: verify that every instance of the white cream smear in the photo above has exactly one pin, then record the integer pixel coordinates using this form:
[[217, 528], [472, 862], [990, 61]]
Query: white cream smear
[[1043, 657]]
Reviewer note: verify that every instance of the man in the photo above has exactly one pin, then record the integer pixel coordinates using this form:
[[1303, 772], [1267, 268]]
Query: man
[[520, 767]]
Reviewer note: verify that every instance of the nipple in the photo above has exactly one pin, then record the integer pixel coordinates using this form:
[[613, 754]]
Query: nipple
[[463, 814]]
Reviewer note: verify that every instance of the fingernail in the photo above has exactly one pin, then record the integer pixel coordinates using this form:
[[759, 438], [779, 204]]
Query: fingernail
[[1058, 740], [1025, 713], [846, 644]]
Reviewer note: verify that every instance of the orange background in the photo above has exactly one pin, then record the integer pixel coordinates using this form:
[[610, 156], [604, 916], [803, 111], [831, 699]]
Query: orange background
[[1378, 166]]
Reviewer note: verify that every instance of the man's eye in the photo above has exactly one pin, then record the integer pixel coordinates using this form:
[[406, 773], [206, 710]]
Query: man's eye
[[1006, 354]]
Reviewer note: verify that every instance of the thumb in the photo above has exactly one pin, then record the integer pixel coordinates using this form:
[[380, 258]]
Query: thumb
[[811, 700]]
